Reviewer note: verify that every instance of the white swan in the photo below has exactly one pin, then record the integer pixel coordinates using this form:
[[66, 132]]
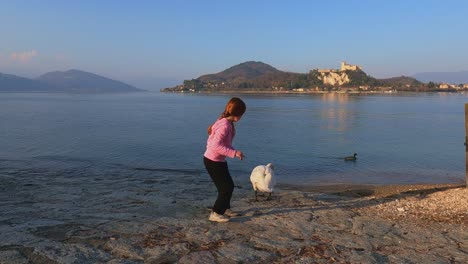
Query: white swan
[[263, 179]]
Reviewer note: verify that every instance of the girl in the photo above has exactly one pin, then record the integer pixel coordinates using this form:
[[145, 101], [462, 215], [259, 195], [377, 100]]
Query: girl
[[218, 147]]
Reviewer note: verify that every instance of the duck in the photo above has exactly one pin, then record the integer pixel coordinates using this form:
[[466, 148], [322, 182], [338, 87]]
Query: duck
[[263, 179], [351, 158]]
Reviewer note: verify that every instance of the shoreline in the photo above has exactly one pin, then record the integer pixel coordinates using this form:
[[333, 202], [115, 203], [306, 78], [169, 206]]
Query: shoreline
[[137, 218], [362, 190]]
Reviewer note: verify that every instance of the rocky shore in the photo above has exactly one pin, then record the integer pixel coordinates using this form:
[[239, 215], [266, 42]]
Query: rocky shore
[[142, 219]]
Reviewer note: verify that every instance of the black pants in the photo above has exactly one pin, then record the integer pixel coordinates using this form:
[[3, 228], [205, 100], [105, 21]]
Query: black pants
[[219, 173]]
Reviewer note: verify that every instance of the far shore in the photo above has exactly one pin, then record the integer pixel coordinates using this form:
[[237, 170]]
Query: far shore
[[308, 92]]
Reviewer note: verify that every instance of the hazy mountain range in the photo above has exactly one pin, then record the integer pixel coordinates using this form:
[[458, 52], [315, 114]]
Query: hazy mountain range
[[74, 81], [242, 75], [445, 77]]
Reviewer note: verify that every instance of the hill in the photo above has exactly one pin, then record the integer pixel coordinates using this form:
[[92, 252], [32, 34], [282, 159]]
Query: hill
[[257, 76], [242, 72], [400, 81], [247, 76], [81, 81], [445, 77]]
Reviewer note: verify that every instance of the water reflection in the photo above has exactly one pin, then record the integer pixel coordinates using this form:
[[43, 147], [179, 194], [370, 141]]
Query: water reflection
[[336, 97], [335, 112]]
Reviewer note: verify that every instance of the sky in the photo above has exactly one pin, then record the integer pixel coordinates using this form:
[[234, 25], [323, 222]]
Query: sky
[[156, 44]]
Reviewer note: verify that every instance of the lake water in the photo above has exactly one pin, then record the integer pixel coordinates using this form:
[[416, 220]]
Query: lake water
[[400, 139]]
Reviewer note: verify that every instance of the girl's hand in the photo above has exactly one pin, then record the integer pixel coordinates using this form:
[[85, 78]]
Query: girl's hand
[[240, 155]]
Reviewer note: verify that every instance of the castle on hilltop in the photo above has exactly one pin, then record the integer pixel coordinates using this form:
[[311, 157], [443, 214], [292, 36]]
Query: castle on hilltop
[[337, 77], [344, 67]]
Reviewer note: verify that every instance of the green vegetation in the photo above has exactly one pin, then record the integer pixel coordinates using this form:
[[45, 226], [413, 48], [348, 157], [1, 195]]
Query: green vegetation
[[360, 78]]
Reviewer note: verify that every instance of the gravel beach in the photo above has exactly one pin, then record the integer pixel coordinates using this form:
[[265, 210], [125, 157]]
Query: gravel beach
[[140, 219]]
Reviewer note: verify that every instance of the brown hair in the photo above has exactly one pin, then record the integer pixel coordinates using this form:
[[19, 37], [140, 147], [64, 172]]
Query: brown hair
[[234, 107]]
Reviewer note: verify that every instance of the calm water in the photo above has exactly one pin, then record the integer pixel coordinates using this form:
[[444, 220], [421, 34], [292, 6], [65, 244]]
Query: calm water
[[398, 138]]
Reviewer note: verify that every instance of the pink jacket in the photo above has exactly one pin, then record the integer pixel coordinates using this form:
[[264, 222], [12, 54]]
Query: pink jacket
[[219, 143]]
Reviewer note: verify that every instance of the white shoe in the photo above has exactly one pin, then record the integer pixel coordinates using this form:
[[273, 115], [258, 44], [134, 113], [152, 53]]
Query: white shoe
[[214, 217], [230, 213]]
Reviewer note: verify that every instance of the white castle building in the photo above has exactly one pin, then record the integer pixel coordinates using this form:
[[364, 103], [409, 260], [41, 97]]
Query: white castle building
[[337, 77], [345, 66]]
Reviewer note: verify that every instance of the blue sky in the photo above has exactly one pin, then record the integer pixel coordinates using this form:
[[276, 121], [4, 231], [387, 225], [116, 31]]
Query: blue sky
[[155, 44]]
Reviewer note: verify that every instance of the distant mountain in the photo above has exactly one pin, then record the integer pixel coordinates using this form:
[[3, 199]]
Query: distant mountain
[[13, 83], [446, 77], [81, 81], [74, 81]]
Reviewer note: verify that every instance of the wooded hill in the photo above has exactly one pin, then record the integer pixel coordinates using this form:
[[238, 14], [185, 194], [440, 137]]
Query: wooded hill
[[258, 76]]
